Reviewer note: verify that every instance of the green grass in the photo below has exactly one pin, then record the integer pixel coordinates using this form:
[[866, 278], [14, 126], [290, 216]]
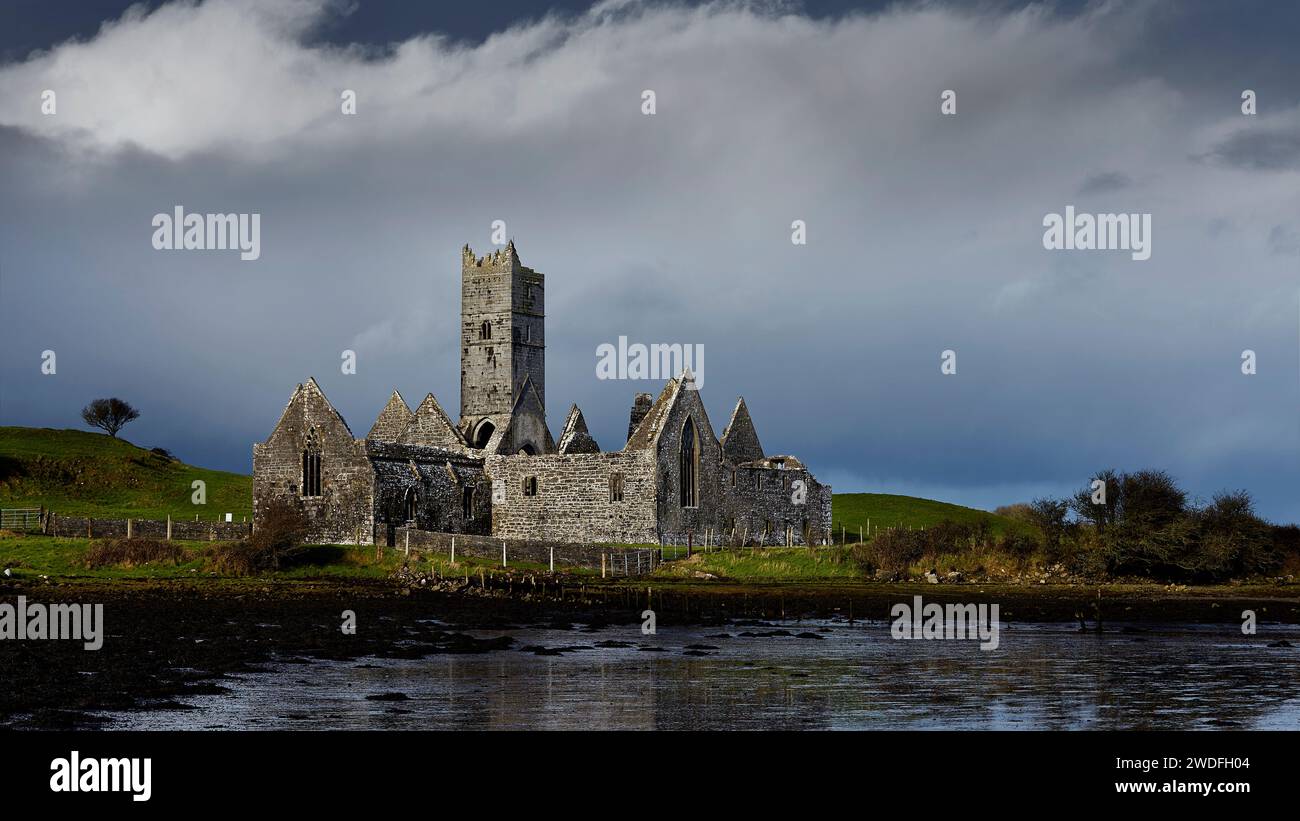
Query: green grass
[[766, 564], [78, 473], [31, 556], [885, 510]]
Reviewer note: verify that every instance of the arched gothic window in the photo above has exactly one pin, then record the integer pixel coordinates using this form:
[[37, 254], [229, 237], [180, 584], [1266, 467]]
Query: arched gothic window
[[411, 505], [311, 465], [690, 464]]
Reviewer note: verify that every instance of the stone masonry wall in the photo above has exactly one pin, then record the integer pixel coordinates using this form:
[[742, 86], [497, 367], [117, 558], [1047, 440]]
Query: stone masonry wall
[[80, 526], [761, 504], [572, 503], [485, 366], [535, 551], [437, 481]]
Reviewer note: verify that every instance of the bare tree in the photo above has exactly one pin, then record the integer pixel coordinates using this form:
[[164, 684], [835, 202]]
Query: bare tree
[[109, 414]]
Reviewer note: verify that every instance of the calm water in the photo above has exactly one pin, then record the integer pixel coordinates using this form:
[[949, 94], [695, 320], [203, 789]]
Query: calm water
[[855, 677]]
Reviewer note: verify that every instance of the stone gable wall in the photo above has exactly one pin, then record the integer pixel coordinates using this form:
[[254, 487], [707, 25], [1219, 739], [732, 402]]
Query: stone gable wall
[[345, 507], [674, 520]]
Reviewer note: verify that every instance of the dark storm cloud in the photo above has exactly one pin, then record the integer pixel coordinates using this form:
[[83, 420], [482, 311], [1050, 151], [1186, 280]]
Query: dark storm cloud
[[1260, 150], [1105, 182], [924, 233]]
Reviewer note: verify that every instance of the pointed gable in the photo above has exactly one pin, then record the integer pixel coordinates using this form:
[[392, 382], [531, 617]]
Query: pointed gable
[[393, 420], [576, 438], [527, 424], [430, 427], [661, 429], [739, 439], [313, 394], [678, 392], [309, 418], [647, 433]]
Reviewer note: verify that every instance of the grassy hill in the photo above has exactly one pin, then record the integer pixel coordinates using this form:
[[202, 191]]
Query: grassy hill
[[887, 510], [78, 473]]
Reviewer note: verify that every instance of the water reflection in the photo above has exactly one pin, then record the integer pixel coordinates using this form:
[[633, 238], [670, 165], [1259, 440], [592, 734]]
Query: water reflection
[[854, 677]]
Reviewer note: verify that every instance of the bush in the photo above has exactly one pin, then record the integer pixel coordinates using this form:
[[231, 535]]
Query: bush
[[132, 553], [276, 543], [1018, 546], [891, 552], [242, 558]]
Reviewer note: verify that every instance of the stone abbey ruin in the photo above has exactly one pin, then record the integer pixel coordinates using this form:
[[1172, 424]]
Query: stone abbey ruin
[[499, 472]]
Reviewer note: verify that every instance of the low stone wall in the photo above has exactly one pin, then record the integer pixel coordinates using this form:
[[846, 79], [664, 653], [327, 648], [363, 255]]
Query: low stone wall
[[80, 526], [617, 561]]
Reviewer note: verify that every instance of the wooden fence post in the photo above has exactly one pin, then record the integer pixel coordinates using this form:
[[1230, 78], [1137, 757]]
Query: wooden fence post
[[602, 565], [552, 558], [503, 553], [128, 528], [169, 527], [453, 549]]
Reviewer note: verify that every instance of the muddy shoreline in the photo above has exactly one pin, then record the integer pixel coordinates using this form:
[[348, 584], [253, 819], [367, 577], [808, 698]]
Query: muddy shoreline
[[165, 640]]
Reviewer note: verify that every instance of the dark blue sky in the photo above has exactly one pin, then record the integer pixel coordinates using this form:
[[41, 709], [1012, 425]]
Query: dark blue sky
[[924, 231]]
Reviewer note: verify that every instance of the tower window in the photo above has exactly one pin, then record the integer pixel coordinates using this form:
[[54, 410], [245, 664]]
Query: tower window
[[690, 465], [530, 485], [467, 501], [616, 487], [412, 505], [311, 466], [485, 330]]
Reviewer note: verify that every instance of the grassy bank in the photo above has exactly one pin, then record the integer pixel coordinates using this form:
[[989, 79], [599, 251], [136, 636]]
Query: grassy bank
[[30, 557], [77, 473]]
